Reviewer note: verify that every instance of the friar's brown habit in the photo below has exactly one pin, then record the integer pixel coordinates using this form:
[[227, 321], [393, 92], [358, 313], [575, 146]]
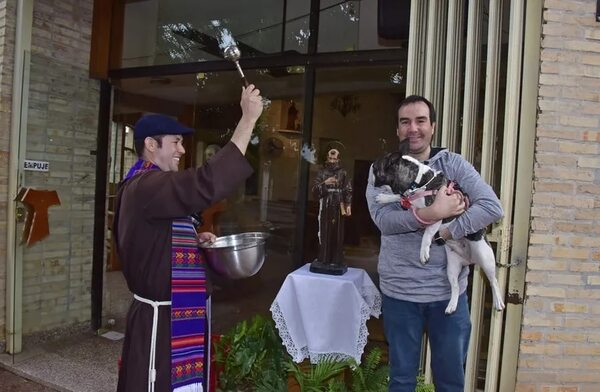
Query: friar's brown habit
[[145, 208]]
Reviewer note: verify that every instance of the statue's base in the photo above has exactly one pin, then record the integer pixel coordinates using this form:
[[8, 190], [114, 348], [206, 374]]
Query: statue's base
[[329, 269]]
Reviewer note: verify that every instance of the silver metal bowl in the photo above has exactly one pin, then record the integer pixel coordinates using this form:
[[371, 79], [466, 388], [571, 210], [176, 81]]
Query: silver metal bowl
[[237, 256]]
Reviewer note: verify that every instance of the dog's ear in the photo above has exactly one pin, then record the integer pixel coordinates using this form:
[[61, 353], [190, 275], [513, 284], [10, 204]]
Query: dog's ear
[[379, 171], [404, 175], [404, 147], [383, 169]]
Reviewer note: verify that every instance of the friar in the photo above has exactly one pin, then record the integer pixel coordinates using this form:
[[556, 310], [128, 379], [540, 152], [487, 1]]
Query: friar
[[166, 345]]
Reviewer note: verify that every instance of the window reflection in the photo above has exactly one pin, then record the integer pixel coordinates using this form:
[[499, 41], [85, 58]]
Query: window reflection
[[351, 25], [357, 119], [209, 102], [353, 112], [182, 31]]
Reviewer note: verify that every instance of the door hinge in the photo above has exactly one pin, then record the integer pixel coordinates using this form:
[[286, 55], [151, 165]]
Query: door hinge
[[518, 261], [514, 298]]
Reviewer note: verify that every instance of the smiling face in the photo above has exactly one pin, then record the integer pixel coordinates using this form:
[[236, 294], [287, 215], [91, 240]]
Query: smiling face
[[414, 124], [166, 154]]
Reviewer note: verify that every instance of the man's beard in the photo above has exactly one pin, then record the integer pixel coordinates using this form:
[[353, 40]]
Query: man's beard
[[332, 165]]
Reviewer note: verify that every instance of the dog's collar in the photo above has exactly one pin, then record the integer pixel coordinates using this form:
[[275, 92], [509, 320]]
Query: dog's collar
[[407, 198], [414, 193], [423, 188]]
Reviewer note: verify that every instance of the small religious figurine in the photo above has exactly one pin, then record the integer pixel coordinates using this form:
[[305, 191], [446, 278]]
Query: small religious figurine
[[334, 190]]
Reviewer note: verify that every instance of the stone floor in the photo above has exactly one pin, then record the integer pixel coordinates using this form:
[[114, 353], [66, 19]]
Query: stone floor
[[12, 382], [79, 361]]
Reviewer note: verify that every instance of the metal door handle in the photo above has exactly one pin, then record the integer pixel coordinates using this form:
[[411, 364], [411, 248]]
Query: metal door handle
[[20, 214]]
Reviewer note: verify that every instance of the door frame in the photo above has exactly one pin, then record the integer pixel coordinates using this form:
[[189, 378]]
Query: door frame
[[512, 233], [18, 138]]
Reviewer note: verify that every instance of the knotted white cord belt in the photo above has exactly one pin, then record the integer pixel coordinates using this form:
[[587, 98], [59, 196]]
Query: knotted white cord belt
[[151, 366]]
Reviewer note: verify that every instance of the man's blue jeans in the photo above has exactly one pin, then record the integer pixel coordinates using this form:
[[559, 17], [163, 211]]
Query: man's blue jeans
[[404, 323]]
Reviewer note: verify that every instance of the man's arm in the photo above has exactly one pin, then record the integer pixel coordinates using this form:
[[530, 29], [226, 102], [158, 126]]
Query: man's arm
[[390, 218], [484, 206], [167, 195], [252, 106]]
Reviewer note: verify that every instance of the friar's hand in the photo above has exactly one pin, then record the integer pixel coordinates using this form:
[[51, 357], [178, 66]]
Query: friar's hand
[[251, 103], [206, 238]]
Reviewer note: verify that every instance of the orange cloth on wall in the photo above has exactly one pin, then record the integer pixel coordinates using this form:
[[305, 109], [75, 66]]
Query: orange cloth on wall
[[37, 203]]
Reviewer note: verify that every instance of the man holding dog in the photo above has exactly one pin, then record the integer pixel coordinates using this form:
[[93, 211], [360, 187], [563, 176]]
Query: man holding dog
[[164, 347], [415, 296]]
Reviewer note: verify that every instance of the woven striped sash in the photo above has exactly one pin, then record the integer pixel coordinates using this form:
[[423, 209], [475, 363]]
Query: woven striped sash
[[188, 308]]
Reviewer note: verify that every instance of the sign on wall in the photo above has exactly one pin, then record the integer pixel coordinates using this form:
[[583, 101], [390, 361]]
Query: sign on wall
[[42, 166]]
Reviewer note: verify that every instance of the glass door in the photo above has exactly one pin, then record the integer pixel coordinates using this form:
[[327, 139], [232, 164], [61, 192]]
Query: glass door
[[209, 102], [354, 111]]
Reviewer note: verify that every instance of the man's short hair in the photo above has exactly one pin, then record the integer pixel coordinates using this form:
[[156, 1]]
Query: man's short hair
[[414, 99], [138, 144]]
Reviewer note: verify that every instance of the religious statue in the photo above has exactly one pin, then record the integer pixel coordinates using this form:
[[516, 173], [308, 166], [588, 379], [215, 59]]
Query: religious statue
[[334, 191]]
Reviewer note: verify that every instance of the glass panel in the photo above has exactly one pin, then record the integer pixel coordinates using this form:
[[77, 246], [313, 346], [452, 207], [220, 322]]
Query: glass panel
[[209, 102], [497, 169], [297, 25], [181, 31], [356, 118], [354, 25]]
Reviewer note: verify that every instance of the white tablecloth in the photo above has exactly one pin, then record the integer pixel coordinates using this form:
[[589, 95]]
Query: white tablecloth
[[320, 315]]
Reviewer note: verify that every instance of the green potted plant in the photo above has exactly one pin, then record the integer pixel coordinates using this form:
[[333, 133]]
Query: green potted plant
[[342, 376], [422, 386], [325, 376], [371, 375], [251, 357]]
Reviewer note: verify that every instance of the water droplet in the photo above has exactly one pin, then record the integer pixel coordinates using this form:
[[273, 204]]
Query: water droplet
[[266, 103], [350, 11], [396, 78], [308, 153]]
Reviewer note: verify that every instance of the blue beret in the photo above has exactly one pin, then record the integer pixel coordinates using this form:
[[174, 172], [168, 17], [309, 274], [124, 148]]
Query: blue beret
[[158, 124]]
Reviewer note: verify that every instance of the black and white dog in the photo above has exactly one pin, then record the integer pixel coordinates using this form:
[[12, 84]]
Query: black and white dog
[[415, 185]]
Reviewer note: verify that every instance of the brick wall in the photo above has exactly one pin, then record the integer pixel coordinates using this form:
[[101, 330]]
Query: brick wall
[[560, 346], [61, 129]]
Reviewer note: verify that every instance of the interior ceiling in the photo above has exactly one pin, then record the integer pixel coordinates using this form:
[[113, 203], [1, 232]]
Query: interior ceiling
[[215, 88]]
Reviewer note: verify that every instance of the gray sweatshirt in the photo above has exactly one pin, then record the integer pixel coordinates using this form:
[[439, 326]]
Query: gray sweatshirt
[[401, 274]]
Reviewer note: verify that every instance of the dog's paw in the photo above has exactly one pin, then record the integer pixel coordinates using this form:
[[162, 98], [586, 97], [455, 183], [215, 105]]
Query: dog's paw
[[424, 254], [498, 304], [451, 308], [384, 198]]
